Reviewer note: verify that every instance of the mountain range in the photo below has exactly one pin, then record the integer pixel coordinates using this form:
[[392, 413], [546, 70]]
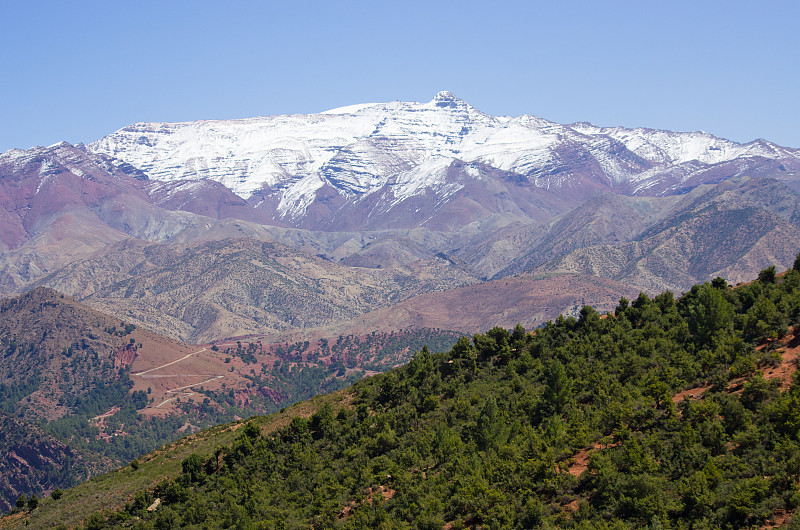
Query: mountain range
[[256, 262], [269, 225], [433, 164]]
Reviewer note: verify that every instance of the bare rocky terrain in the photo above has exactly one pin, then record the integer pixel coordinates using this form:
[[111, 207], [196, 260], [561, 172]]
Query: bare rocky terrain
[[191, 260]]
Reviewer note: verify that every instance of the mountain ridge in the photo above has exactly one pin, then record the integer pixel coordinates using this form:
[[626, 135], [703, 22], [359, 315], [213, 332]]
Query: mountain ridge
[[413, 198], [290, 165]]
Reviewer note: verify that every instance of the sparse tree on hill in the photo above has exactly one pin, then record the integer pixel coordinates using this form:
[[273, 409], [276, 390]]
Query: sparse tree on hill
[[719, 283], [767, 275], [797, 263]]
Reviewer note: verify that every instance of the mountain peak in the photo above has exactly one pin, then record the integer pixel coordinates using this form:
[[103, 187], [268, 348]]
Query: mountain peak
[[446, 99]]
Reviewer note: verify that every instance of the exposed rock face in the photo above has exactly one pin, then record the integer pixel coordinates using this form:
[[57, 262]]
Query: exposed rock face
[[125, 356], [272, 394]]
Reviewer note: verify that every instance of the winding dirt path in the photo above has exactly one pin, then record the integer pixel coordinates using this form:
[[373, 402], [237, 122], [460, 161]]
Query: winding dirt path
[[169, 363], [186, 394], [194, 384], [146, 374]]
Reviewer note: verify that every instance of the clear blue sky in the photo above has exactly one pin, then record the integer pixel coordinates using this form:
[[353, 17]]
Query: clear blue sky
[[76, 71]]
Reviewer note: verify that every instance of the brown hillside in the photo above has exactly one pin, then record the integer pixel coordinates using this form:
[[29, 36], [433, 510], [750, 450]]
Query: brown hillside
[[239, 286], [524, 299], [734, 243], [56, 346]]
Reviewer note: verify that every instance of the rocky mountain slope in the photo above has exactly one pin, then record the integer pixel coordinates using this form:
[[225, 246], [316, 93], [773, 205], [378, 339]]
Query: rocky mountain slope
[[527, 299], [735, 228], [82, 392], [59, 361], [54, 350], [204, 230], [240, 286]]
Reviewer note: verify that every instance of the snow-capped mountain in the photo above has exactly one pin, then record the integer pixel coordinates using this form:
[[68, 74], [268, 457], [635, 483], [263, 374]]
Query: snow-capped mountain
[[419, 197], [311, 170]]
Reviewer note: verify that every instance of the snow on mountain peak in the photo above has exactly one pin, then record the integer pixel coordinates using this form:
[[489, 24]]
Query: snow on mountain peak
[[444, 96], [350, 109], [358, 149], [446, 100]]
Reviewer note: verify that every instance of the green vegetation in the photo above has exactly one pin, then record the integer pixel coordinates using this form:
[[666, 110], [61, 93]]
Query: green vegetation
[[492, 433], [63, 394], [305, 370], [377, 351], [65, 452], [39, 461], [125, 329], [142, 435], [68, 508]]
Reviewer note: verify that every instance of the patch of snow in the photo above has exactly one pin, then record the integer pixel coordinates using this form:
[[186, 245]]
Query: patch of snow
[[298, 197], [349, 109], [431, 175]]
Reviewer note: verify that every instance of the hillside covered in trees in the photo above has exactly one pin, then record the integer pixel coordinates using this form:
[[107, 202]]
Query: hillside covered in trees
[[664, 414], [79, 396]]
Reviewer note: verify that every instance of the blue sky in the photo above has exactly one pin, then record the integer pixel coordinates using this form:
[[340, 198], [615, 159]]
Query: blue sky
[[76, 71]]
